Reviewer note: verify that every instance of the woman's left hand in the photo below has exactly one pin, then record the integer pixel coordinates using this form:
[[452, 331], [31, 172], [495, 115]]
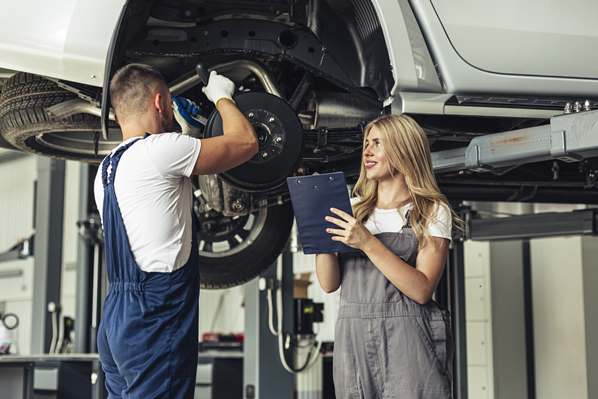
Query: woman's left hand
[[351, 232]]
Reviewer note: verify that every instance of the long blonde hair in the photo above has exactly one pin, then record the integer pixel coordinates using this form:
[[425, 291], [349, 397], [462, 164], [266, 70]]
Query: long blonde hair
[[408, 152]]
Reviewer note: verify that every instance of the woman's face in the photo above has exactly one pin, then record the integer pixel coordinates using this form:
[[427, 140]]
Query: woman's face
[[375, 161]]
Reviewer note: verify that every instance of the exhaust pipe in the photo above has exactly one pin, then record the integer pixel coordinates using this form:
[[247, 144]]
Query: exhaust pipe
[[79, 106]]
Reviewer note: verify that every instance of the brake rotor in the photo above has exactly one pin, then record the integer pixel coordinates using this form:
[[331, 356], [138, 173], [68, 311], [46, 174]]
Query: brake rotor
[[280, 138]]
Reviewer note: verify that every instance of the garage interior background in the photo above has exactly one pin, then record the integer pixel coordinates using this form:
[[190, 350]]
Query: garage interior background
[[563, 270]]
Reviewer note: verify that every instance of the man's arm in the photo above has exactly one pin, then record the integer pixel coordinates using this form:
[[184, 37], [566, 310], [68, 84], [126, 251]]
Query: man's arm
[[238, 142], [237, 145]]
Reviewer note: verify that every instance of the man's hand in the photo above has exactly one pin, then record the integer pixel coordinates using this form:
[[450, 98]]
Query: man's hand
[[187, 114], [218, 87]]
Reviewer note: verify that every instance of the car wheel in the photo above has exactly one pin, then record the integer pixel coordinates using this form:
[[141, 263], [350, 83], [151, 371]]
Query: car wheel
[[26, 124], [233, 250]]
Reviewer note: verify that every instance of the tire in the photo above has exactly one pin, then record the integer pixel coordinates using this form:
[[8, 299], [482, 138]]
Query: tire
[[250, 261], [26, 125]]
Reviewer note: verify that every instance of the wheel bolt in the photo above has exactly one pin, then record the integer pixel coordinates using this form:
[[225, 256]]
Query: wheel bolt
[[251, 115], [264, 155], [278, 140], [271, 119], [238, 206]]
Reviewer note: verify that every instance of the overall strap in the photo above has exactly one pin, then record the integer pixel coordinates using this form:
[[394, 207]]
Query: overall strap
[[112, 161], [407, 221]]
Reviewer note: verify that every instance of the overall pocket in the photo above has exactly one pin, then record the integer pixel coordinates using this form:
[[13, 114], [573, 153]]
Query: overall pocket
[[436, 332]]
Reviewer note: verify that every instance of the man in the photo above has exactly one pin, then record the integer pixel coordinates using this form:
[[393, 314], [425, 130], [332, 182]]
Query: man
[[148, 336]]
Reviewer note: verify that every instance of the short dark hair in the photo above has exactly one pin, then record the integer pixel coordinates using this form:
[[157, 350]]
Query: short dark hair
[[131, 88]]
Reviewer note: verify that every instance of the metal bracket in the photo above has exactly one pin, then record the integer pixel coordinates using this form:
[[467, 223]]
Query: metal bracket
[[528, 226], [322, 139], [20, 250]]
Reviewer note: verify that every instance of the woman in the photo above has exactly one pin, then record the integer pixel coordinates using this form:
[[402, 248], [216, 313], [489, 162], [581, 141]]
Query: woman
[[392, 340]]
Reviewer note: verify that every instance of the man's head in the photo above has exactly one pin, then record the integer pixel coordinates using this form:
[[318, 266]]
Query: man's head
[[140, 96]]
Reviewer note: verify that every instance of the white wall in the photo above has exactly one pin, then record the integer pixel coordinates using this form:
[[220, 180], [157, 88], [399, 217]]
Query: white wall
[[557, 278], [221, 311], [590, 278], [564, 275], [478, 319], [16, 205]]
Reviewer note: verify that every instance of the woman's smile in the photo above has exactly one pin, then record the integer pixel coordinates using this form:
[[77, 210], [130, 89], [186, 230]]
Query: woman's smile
[[369, 163]]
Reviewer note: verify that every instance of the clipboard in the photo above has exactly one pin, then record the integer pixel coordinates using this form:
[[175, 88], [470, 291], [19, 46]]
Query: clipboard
[[312, 197]]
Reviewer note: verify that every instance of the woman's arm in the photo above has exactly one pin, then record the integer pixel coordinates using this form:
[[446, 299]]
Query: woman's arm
[[328, 272], [417, 283]]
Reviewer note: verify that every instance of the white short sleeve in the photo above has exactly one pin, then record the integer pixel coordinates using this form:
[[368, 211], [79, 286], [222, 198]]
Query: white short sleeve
[[442, 224], [173, 154]]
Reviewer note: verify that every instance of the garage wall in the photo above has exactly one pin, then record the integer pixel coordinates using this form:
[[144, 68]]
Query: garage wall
[[17, 179], [563, 278], [16, 205], [557, 274], [563, 269]]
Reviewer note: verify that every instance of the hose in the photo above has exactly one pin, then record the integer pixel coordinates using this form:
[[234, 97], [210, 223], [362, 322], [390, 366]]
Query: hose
[[52, 309], [310, 359]]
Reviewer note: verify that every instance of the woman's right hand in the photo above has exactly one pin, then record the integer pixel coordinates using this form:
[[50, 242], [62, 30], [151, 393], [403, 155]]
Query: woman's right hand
[[328, 272]]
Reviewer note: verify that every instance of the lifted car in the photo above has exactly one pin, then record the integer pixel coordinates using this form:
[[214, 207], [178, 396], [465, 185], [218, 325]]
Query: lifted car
[[309, 75]]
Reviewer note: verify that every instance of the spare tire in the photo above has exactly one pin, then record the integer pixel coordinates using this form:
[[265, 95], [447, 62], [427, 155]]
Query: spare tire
[[26, 125]]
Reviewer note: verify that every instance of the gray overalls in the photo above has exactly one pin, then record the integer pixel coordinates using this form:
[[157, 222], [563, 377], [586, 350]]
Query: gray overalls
[[387, 345]]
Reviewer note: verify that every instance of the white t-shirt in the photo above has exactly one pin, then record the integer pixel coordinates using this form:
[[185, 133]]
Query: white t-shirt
[[392, 220], [154, 193]]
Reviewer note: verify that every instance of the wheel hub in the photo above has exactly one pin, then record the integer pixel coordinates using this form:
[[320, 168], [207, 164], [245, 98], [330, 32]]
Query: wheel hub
[[280, 139]]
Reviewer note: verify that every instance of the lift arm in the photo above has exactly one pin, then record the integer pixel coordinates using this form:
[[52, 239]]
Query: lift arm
[[568, 137]]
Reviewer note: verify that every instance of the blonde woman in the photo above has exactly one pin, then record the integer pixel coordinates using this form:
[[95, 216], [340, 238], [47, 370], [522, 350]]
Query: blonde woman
[[392, 340]]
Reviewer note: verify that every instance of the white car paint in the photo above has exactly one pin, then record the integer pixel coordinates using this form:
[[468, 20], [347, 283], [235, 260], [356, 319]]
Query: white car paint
[[532, 37], [65, 39]]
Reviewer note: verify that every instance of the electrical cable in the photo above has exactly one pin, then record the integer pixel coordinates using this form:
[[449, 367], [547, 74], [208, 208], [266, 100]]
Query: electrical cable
[[310, 359], [271, 314], [60, 338], [52, 309]]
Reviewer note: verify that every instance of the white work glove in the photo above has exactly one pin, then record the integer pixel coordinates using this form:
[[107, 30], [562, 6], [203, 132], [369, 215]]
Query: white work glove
[[218, 87]]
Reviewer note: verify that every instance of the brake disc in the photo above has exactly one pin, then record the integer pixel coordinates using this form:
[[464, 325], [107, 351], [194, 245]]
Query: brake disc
[[280, 138]]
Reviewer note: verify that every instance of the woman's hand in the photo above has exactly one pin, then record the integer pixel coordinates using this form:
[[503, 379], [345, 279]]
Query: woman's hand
[[351, 232]]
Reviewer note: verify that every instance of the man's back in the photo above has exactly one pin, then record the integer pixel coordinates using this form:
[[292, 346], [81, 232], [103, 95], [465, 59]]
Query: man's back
[[154, 195]]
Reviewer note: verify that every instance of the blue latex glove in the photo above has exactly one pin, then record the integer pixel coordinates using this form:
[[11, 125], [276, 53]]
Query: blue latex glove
[[187, 114]]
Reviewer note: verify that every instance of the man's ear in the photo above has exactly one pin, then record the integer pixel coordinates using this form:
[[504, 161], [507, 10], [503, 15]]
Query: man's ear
[[158, 100]]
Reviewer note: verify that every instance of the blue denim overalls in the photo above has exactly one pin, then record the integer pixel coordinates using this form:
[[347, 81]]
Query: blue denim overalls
[[148, 336]]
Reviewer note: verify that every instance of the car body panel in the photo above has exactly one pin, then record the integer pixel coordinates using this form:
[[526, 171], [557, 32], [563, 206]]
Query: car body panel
[[70, 40], [460, 77], [412, 66], [67, 39], [534, 37]]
